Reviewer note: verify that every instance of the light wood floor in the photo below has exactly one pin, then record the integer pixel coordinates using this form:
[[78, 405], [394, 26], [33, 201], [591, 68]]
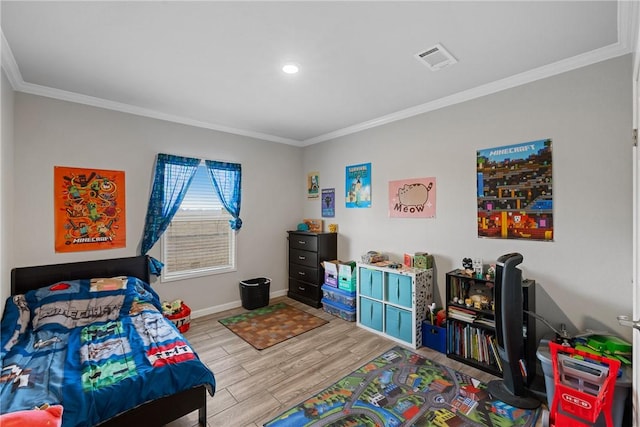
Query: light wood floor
[[255, 386]]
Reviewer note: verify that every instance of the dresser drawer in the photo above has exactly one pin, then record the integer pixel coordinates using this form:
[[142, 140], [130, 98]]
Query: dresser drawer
[[305, 242], [307, 258], [304, 273], [304, 289]]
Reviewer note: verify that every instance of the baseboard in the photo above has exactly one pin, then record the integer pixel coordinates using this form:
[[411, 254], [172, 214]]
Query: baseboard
[[230, 305]]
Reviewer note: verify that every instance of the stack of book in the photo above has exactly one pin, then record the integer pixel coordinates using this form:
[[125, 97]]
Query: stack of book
[[461, 314]]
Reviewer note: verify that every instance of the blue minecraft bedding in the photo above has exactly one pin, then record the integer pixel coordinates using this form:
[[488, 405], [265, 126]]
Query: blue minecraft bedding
[[97, 346]]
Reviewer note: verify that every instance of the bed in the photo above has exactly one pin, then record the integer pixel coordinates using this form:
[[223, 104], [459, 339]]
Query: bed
[[91, 337]]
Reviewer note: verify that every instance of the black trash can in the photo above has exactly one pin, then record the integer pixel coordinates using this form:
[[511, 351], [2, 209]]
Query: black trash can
[[254, 293]]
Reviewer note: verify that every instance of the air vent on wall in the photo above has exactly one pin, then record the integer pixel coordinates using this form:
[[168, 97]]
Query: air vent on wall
[[436, 58]]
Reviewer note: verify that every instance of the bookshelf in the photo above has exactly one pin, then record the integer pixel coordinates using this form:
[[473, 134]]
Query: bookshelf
[[471, 334]]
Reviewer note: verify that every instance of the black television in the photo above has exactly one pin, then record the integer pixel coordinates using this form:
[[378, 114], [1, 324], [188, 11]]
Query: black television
[[509, 316]]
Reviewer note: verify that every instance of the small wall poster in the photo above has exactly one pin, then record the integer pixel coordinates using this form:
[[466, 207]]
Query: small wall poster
[[328, 201], [313, 185], [515, 192], [358, 186], [89, 209], [412, 198]]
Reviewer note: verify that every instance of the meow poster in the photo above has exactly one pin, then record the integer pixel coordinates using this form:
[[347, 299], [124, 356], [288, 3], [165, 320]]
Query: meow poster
[[89, 209], [412, 198]]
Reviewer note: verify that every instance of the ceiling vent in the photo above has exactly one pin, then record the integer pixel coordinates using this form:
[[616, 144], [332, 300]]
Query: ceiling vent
[[436, 58]]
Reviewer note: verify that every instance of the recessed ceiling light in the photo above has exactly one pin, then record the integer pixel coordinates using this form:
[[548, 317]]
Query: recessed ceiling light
[[290, 68]]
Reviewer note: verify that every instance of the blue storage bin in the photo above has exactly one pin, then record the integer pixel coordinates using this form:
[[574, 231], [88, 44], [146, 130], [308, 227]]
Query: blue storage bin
[[399, 289], [371, 313], [340, 310], [338, 295], [434, 337], [398, 323], [371, 283]]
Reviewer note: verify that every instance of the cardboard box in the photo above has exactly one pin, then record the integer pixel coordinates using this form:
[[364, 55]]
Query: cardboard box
[[347, 276], [331, 272]]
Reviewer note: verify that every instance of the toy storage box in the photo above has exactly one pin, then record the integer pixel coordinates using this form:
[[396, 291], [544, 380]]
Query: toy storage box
[[339, 295], [182, 318], [347, 276], [422, 260], [340, 310], [434, 337], [331, 273]]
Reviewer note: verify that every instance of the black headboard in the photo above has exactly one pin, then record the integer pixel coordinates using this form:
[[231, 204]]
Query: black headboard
[[24, 279]]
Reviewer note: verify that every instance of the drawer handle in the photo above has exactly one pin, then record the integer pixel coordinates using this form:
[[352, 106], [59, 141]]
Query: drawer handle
[[301, 273], [302, 242], [301, 288], [302, 257], [371, 312]]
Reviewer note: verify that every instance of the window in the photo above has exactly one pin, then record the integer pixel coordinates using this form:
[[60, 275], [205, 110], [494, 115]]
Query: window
[[199, 240]]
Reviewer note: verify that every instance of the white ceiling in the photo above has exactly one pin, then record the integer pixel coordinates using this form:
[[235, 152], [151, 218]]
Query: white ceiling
[[217, 64]]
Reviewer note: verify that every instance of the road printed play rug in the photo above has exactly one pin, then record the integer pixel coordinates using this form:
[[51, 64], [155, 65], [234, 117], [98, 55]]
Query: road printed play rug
[[402, 388], [268, 326]]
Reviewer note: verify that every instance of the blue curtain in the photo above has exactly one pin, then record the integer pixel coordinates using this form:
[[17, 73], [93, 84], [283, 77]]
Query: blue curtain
[[226, 179], [172, 177]]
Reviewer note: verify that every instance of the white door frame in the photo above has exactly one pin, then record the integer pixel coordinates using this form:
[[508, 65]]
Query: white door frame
[[636, 236]]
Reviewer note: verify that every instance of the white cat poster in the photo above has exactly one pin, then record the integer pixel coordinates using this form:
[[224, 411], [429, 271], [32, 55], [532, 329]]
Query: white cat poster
[[412, 198]]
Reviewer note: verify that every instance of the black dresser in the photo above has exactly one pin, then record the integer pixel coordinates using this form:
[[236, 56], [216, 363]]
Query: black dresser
[[307, 251]]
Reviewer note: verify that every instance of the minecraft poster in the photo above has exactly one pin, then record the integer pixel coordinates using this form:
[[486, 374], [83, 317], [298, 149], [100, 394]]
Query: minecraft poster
[[89, 209], [358, 186], [515, 191], [328, 202]]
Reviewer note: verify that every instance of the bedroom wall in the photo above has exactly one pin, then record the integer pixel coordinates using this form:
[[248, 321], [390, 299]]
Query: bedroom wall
[[584, 275], [6, 188], [50, 132]]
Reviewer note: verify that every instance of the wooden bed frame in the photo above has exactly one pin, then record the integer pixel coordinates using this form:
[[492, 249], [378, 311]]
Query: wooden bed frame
[[153, 413]]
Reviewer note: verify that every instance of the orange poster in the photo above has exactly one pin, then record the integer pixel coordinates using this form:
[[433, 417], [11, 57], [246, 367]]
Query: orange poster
[[89, 209]]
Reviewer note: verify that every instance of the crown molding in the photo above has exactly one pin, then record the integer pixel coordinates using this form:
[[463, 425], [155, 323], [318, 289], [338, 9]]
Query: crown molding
[[9, 64], [139, 111]]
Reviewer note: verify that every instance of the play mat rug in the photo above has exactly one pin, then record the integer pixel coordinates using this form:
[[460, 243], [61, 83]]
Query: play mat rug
[[268, 326], [402, 388]]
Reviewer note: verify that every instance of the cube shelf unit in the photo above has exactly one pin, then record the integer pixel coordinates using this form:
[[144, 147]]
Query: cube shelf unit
[[471, 328], [392, 302]]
